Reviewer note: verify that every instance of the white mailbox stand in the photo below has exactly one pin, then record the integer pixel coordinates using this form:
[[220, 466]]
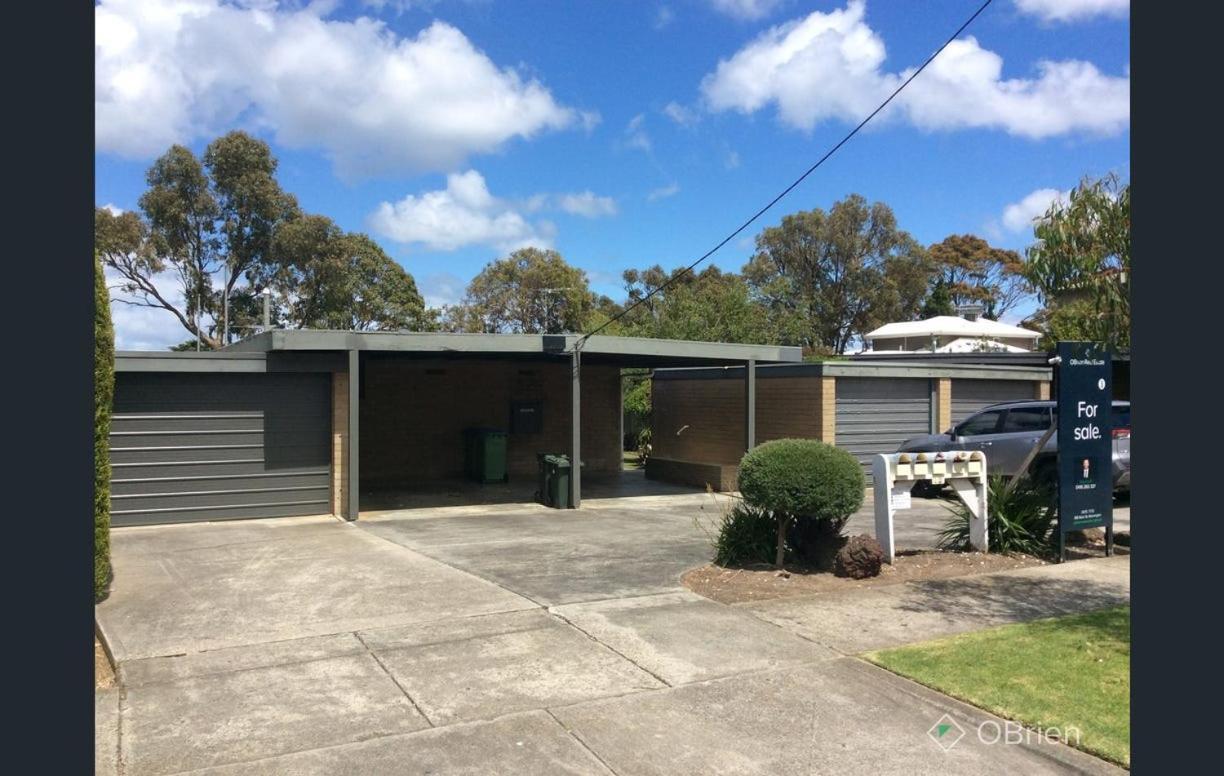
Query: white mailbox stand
[[895, 475]]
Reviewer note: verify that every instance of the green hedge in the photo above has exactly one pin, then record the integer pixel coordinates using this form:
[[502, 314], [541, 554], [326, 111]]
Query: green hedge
[[104, 391], [802, 478]]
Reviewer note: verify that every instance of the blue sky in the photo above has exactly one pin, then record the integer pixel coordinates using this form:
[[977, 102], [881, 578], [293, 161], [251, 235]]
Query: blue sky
[[622, 134]]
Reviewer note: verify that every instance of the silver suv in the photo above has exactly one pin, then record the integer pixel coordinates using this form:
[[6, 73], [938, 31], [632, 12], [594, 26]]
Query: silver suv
[[1007, 432]]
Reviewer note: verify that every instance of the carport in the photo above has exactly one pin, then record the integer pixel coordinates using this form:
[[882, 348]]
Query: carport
[[293, 422]]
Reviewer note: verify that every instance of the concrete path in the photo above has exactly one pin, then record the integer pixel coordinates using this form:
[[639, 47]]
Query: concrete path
[[532, 641]]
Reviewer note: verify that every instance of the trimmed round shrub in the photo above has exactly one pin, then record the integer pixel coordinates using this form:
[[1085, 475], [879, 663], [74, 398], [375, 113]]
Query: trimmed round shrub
[[745, 537], [810, 488], [802, 478], [861, 557]]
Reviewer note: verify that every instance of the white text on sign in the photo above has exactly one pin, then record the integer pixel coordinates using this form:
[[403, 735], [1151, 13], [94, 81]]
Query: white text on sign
[[1090, 431]]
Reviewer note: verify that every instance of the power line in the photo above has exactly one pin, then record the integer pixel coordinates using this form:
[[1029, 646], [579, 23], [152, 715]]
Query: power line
[[791, 187]]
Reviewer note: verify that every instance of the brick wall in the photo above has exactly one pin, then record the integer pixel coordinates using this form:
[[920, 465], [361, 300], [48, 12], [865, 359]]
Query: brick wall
[[943, 410], [340, 442], [413, 413], [703, 420]]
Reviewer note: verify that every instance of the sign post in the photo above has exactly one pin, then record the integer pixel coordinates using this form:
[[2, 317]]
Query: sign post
[[1085, 441]]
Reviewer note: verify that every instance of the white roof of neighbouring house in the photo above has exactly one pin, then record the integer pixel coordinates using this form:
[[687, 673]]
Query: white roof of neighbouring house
[[952, 326], [978, 345], [961, 345]]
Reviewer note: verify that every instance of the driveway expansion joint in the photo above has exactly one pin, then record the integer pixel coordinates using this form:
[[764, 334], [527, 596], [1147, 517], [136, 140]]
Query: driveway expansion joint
[[391, 676], [578, 739], [613, 650]]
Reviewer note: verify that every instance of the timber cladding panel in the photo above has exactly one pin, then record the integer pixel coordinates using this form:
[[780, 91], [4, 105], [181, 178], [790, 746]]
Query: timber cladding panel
[[702, 420], [191, 447], [414, 412]]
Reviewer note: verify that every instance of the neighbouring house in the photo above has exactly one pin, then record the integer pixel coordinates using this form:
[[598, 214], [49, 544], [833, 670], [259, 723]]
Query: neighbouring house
[[951, 334], [863, 406]]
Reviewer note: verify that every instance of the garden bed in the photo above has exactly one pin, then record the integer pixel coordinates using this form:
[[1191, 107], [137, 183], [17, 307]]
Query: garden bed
[[762, 582]]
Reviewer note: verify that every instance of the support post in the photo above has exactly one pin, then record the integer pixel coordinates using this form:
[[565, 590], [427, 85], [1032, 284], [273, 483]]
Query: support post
[[352, 508], [881, 477], [750, 404], [576, 428]]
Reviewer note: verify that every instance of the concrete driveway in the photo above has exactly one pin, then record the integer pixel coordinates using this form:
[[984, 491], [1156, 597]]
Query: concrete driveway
[[516, 639]]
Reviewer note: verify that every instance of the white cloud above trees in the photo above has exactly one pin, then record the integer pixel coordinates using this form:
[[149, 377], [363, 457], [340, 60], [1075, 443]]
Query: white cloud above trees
[[830, 66], [1019, 216], [466, 213], [1074, 10], [372, 101]]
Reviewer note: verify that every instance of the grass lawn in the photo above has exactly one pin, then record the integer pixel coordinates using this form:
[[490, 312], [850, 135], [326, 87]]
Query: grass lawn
[[1063, 672]]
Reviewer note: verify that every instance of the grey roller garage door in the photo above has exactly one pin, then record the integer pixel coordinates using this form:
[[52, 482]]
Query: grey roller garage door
[[969, 396], [191, 447], [875, 415]]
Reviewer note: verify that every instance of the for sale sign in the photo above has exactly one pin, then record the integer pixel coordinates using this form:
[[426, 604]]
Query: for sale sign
[[1085, 438]]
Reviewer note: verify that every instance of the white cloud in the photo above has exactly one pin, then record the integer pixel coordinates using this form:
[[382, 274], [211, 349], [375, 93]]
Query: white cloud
[[441, 288], [586, 203], [663, 192], [680, 114], [745, 9], [828, 66], [635, 135], [1019, 216], [115, 210], [462, 214], [371, 100], [664, 16], [1073, 10], [138, 327]]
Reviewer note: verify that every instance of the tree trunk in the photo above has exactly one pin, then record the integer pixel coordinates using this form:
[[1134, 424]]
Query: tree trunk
[[780, 558]]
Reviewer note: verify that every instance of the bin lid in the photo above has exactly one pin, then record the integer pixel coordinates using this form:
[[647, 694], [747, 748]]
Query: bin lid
[[560, 461]]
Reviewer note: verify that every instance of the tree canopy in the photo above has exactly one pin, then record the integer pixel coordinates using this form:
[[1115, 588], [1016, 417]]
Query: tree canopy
[[842, 272], [970, 271], [212, 234], [1080, 264], [531, 291], [706, 305]]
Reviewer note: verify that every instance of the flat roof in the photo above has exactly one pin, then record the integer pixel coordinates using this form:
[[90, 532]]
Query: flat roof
[[866, 369], [296, 346], [631, 351]]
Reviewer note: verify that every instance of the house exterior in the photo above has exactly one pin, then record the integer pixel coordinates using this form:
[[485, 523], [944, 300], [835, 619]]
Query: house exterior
[[951, 334], [306, 422]]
